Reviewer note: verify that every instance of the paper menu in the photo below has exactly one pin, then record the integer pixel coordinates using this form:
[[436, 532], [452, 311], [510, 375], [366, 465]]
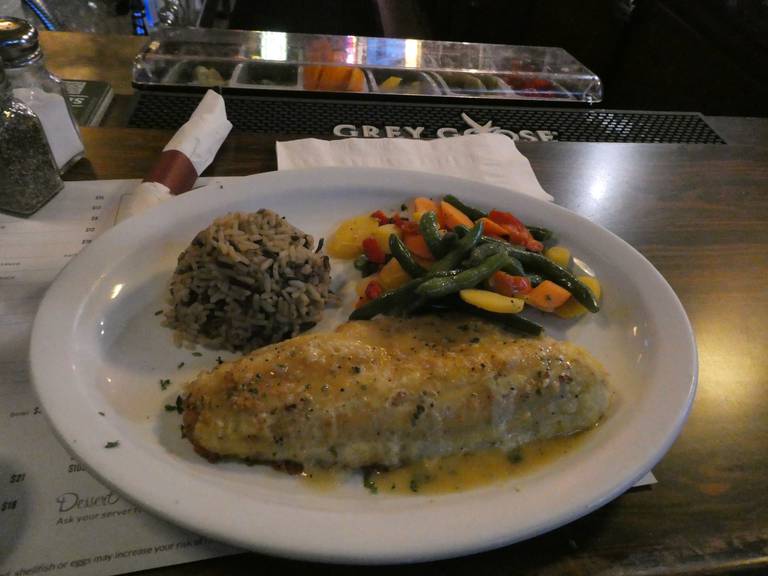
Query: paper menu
[[55, 517]]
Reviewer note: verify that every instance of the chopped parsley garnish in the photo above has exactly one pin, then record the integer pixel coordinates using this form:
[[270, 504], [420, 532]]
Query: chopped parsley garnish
[[198, 354], [158, 312], [414, 485], [515, 456], [219, 360], [164, 383], [417, 414], [369, 483], [403, 207], [101, 414], [114, 444], [170, 407], [180, 366]]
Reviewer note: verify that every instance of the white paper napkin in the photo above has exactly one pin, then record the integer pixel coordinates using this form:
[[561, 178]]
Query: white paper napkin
[[204, 133], [490, 158]]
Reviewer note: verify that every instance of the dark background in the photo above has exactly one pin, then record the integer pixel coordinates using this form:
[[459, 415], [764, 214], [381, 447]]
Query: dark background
[[709, 56]]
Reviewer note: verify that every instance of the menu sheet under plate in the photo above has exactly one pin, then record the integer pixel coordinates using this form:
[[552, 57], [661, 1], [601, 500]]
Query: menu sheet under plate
[[54, 516]]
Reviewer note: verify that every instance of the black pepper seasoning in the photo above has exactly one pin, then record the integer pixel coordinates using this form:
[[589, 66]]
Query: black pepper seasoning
[[29, 176]]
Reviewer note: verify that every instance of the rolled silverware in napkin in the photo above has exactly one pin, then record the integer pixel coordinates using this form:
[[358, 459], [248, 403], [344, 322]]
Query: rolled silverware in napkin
[[187, 154]]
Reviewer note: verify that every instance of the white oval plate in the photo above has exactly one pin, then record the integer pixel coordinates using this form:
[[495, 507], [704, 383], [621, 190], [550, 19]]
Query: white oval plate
[[98, 347]]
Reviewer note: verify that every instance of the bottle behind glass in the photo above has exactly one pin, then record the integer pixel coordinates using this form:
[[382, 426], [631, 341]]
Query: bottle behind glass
[[42, 91], [29, 176]]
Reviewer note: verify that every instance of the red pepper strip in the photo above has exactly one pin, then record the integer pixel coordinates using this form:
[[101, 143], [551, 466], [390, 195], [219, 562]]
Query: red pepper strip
[[407, 226], [373, 251], [381, 217], [506, 218], [508, 285], [534, 245], [373, 290], [518, 233]]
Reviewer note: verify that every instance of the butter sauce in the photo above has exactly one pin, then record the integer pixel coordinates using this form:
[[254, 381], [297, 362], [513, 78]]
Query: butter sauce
[[455, 473]]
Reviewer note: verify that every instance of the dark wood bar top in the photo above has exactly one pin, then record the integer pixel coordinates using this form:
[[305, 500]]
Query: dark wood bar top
[[699, 213]]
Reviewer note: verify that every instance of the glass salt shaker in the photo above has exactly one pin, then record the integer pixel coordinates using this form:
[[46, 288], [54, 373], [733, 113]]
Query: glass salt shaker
[[29, 176], [34, 85]]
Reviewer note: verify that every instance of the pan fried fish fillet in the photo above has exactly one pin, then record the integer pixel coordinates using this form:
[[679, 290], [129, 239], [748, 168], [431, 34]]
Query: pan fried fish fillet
[[391, 391]]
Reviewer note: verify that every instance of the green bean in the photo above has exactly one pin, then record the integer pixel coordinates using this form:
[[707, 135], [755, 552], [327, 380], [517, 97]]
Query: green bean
[[448, 240], [388, 301], [430, 230], [436, 287], [460, 251], [394, 300], [460, 230], [413, 306], [404, 257], [483, 251], [469, 211], [540, 234], [535, 262], [365, 266]]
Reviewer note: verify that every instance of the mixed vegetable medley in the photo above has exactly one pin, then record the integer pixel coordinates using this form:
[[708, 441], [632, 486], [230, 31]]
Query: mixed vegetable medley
[[448, 255]]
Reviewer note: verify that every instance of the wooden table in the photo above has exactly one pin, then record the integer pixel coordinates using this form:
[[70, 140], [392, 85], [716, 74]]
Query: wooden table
[[699, 213]]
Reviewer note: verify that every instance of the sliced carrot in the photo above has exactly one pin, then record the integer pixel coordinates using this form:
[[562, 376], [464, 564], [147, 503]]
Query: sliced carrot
[[491, 228], [417, 245], [356, 81], [422, 204], [453, 217], [334, 78], [547, 296], [392, 275], [311, 76]]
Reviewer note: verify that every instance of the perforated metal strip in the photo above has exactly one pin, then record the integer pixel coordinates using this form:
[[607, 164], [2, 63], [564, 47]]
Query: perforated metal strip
[[321, 117]]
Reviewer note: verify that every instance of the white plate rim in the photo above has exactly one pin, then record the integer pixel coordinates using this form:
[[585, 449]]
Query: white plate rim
[[47, 359]]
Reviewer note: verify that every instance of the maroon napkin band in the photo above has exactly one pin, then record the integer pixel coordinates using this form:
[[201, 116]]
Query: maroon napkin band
[[174, 170]]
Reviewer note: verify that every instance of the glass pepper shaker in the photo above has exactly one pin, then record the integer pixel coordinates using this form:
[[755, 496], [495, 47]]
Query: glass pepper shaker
[[34, 85], [29, 176]]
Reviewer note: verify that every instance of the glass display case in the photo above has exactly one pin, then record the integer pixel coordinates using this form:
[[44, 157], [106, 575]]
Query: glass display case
[[195, 58]]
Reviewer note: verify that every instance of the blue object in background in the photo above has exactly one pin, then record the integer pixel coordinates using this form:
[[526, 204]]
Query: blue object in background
[[148, 18], [386, 51], [138, 18], [43, 13]]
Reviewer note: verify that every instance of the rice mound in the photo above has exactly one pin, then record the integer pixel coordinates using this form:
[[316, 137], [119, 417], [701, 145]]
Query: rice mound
[[245, 281]]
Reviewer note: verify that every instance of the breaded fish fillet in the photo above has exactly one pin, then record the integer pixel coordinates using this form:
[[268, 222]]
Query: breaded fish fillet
[[391, 391]]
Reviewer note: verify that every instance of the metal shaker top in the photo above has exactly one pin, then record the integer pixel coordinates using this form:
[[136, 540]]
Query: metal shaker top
[[19, 44]]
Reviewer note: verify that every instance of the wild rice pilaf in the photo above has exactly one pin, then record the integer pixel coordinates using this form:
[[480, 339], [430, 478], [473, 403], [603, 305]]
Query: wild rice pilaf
[[245, 281]]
